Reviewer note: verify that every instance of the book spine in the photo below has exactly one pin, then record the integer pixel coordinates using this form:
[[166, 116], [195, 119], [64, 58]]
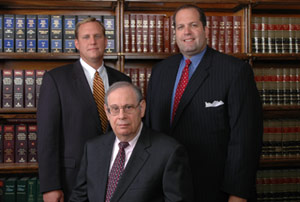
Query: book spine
[[7, 91], [285, 35], [127, 37], [20, 33], [208, 25], [110, 32], [145, 35], [29, 88], [271, 34], [22, 189], [10, 191], [278, 34], [32, 189], [159, 33], [9, 144], [1, 144], [69, 34], [32, 143], [215, 20], [264, 35], [173, 45], [228, 34], [297, 37], [152, 33], [142, 81], [38, 83], [31, 33], [292, 34], [256, 34], [56, 34], [237, 34], [43, 33], [9, 32], [139, 33], [1, 33], [133, 32], [166, 34], [18, 89], [221, 43], [21, 144]]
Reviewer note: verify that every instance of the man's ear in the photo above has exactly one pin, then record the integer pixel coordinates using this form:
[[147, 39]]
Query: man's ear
[[143, 108]]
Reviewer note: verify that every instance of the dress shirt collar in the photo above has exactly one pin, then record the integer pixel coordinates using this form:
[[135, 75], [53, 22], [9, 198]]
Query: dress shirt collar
[[90, 70]]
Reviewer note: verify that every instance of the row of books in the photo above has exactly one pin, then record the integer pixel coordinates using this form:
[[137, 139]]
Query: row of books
[[139, 77], [20, 189], [278, 185], [278, 86], [47, 33], [20, 88], [154, 33], [281, 139], [18, 143], [275, 34]]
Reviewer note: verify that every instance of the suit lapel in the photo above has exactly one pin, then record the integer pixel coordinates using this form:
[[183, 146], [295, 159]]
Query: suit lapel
[[196, 81], [103, 156], [84, 92], [138, 158]]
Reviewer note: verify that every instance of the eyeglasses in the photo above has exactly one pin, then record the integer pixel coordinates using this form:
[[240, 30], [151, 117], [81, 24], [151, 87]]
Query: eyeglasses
[[128, 109]]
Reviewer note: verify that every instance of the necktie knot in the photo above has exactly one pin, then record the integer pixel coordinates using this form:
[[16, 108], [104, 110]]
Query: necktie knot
[[123, 145], [187, 62]]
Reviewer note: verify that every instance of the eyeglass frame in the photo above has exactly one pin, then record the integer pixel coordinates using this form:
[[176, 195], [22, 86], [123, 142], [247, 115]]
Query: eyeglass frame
[[124, 109]]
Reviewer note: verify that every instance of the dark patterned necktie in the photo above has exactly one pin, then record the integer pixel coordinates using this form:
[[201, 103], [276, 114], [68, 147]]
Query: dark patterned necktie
[[99, 93], [184, 79], [116, 171]]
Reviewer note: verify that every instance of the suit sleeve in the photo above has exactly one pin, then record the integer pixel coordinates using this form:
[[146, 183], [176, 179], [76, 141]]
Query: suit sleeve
[[245, 119], [49, 125], [177, 179], [79, 192]]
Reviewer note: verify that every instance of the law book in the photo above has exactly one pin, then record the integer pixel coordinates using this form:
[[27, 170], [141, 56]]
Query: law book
[[1, 33], [298, 93], [145, 35], [148, 75], [285, 35], [286, 86], [109, 22], [7, 88], [1, 143], [264, 34], [32, 189], [31, 33], [9, 33], [266, 87], [208, 25], [256, 34], [152, 33], [166, 34], [297, 38], [215, 20], [39, 194], [271, 34], [127, 36], [18, 89], [69, 33], [293, 86], [32, 143], [10, 189], [173, 45], [29, 93], [132, 32], [237, 34], [279, 87], [139, 33], [20, 33], [278, 34], [228, 34], [9, 144], [134, 75], [56, 34], [38, 83], [22, 189], [43, 33], [21, 141], [272, 91], [159, 33], [81, 17], [142, 81], [258, 76], [292, 34], [221, 37]]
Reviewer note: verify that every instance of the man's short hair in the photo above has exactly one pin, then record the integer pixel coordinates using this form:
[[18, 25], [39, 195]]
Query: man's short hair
[[86, 20], [186, 6]]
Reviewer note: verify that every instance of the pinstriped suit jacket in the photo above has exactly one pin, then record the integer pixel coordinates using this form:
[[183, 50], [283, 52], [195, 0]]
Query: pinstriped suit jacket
[[224, 142]]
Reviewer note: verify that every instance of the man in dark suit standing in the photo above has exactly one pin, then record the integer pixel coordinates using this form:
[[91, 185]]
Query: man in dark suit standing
[[132, 163], [209, 102], [67, 114]]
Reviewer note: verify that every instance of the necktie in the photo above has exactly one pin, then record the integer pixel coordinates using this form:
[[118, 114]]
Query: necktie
[[184, 79], [116, 171], [99, 93]]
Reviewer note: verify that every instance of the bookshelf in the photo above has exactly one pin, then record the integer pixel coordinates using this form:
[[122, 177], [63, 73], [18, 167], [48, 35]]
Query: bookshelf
[[127, 61]]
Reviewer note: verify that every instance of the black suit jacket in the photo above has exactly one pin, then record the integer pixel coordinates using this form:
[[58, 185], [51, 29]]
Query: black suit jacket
[[157, 171], [223, 142], [67, 117]]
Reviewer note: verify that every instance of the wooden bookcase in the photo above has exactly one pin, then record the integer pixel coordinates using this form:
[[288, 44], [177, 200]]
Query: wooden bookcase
[[122, 60]]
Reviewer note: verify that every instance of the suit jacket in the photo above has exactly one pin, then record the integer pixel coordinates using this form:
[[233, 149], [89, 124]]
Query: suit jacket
[[67, 117], [157, 171], [223, 142]]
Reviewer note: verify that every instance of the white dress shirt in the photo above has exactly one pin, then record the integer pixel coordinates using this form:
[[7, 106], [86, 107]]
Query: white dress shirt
[[128, 149], [90, 73]]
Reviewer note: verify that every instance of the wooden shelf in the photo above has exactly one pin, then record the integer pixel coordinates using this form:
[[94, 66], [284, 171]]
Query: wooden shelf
[[18, 167], [282, 111], [281, 56], [284, 162], [276, 6]]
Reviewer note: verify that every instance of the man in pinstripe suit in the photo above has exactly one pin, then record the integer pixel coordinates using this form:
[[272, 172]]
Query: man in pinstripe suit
[[219, 116]]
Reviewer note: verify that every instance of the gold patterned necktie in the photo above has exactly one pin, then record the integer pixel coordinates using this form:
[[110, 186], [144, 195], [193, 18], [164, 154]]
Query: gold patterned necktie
[[99, 93]]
